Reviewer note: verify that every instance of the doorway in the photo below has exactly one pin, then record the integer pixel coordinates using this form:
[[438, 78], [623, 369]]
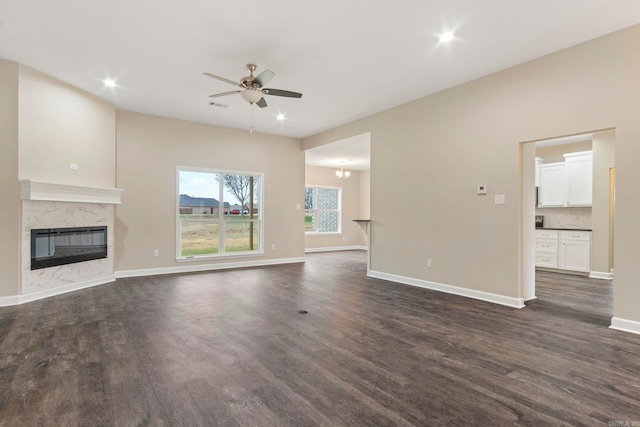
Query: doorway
[[341, 168], [592, 221]]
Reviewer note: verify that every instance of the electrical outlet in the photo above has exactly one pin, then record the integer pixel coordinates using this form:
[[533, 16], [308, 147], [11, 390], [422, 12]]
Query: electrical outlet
[[73, 166], [429, 264], [156, 252], [273, 247]]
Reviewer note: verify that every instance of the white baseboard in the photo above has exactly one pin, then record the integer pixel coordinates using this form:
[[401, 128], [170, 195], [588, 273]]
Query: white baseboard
[[205, 267], [336, 248], [469, 293], [21, 299], [600, 275], [625, 325], [11, 300]]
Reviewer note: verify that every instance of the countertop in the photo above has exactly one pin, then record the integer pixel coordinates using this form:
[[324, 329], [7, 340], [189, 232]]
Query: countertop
[[565, 229]]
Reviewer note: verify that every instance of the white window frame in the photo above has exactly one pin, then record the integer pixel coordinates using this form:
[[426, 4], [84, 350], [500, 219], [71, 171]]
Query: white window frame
[[327, 233], [221, 201]]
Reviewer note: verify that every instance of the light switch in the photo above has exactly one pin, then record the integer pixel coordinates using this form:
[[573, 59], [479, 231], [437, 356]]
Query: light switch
[[499, 199]]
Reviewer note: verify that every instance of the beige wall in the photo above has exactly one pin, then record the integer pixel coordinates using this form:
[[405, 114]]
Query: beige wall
[[436, 150], [365, 191], [149, 150], [351, 234], [9, 190], [603, 161], [59, 125]]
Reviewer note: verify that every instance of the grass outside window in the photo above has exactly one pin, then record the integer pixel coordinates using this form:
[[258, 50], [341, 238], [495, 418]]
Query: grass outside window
[[201, 234]]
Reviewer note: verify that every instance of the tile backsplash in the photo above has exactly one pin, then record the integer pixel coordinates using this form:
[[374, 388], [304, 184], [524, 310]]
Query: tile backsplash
[[566, 217]]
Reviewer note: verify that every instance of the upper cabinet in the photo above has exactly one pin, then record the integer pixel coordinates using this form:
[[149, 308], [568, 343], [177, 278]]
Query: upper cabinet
[[568, 183], [579, 172], [551, 185]]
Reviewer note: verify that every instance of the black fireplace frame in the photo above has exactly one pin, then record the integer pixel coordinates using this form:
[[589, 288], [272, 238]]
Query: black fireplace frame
[[79, 252]]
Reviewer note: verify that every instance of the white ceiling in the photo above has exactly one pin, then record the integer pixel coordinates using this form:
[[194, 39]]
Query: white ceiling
[[350, 58], [350, 153]]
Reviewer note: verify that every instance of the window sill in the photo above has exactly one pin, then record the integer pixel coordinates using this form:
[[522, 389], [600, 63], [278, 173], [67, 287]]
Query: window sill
[[322, 234], [222, 256]]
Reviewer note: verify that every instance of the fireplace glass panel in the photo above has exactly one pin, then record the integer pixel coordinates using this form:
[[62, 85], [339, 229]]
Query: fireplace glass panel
[[59, 246]]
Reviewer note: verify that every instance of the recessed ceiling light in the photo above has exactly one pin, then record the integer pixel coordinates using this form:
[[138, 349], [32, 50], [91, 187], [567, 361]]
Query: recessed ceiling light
[[280, 117], [446, 37], [109, 83]]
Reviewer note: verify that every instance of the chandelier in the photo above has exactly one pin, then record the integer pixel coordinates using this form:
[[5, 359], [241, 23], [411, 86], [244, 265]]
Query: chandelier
[[343, 174]]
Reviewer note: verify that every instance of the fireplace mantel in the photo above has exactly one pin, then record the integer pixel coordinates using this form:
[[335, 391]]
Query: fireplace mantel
[[31, 190]]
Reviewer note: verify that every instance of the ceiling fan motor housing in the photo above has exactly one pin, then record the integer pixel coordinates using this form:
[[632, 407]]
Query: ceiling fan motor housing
[[248, 81]]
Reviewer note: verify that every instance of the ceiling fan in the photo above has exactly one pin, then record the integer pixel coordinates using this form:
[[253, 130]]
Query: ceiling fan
[[253, 87]]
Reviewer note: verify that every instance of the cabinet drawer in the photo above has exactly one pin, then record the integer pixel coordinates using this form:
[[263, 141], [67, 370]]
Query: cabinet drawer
[[546, 234], [549, 261], [584, 236], [547, 245]]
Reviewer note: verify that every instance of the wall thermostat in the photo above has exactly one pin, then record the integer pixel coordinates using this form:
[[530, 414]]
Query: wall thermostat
[[482, 189]]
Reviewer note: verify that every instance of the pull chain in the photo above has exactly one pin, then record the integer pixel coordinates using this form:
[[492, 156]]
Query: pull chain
[[251, 131]]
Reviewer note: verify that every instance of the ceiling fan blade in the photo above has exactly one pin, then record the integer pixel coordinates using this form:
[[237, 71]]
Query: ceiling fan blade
[[280, 92], [233, 92], [222, 79], [264, 77], [261, 103]]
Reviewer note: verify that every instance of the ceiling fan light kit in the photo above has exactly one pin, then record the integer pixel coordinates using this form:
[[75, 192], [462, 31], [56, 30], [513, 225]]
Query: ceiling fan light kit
[[251, 95]]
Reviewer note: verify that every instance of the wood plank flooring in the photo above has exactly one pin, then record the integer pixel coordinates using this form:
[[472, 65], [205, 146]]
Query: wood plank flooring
[[229, 348]]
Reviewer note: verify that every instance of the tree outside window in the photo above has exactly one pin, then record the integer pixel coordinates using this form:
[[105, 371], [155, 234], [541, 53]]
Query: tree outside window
[[218, 213]]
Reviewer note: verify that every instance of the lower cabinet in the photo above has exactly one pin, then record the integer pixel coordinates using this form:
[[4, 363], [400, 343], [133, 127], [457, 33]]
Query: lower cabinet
[[547, 248], [547, 260], [574, 251], [565, 250]]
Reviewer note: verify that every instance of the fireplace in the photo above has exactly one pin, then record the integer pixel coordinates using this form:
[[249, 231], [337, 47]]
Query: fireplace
[[51, 206], [60, 246]]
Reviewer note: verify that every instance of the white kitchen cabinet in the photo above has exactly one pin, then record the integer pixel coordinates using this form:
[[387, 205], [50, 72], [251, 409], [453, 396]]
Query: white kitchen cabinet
[[574, 250], [566, 184], [552, 185], [547, 248], [539, 161], [563, 249], [579, 178], [547, 260], [544, 233]]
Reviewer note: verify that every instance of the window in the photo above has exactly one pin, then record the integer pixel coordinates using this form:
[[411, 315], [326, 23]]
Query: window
[[322, 209], [219, 213]]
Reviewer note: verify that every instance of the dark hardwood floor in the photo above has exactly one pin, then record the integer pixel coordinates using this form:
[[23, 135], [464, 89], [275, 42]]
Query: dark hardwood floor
[[230, 348]]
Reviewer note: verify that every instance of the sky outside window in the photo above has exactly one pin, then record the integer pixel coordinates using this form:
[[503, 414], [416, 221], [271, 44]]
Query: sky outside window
[[203, 184]]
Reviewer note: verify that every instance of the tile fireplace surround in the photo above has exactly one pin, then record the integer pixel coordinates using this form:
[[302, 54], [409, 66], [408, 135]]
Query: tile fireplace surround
[[47, 205]]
